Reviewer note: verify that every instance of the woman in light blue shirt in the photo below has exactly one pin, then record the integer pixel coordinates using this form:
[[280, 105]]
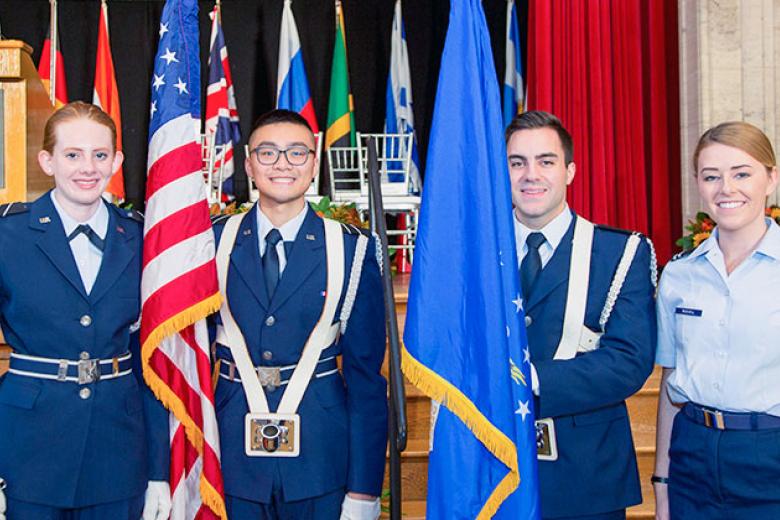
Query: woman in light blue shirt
[[718, 436]]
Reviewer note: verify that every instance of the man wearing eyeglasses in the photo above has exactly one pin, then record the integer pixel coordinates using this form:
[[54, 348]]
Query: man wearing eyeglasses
[[299, 437]]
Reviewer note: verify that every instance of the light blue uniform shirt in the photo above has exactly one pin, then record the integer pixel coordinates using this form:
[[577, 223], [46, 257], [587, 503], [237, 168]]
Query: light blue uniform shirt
[[720, 332], [87, 256], [289, 230]]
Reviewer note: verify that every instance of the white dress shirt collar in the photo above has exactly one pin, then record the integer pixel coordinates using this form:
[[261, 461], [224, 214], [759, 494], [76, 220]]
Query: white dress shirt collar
[[289, 229], [98, 221], [553, 233]]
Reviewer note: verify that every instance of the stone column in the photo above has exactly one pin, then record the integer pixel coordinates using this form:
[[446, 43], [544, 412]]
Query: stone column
[[729, 70]]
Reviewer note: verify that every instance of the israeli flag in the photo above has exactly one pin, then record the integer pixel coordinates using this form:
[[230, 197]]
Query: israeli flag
[[399, 118]]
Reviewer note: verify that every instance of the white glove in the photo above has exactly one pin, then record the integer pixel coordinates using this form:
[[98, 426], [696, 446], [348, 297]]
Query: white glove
[[157, 501], [354, 509], [534, 381], [2, 499]]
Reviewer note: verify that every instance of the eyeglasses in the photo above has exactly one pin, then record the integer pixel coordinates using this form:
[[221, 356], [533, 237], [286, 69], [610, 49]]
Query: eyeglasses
[[269, 155]]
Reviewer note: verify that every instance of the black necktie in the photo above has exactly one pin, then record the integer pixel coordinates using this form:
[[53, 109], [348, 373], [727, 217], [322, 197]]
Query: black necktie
[[271, 261], [531, 264], [91, 235]]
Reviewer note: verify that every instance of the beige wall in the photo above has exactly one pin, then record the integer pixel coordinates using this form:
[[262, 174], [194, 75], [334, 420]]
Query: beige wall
[[729, 56]]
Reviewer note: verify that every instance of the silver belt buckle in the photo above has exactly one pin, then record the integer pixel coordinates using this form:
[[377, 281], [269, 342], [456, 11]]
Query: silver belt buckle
[[89, 371], [713, 419], [269, 376], [546, 443], [272, 435]]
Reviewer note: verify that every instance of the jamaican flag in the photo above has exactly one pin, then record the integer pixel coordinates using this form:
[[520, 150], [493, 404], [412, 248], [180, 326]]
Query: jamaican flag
[[341, 117]]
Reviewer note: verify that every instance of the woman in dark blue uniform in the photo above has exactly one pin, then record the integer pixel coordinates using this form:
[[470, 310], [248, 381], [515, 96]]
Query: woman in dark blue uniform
[[81, 436], [718, 440]]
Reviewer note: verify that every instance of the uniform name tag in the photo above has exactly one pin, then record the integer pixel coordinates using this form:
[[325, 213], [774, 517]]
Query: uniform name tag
[[687, 311]]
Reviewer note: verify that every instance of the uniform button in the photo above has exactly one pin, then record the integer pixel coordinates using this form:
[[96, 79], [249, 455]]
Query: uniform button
[[84, 393], [721, 354], [270, 388], [269, 321], [722, 323], [716, 386], [84, 355], [85, 320], [268, 355], [528, 321]]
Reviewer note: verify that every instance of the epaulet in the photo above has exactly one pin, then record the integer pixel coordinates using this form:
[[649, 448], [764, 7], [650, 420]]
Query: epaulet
[[12, 208], [681, 254], [133, 214], [615, 230], [219, 219], [351, 229]]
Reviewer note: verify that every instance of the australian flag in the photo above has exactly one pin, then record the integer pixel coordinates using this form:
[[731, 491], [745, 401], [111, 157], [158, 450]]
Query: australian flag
[[221, 112]]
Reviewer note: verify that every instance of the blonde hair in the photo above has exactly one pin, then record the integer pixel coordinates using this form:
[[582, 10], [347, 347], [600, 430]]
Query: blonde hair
[[76, 110], [742, 136]]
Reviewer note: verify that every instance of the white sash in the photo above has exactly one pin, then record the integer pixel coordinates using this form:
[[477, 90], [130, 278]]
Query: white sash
[[577, 296], [576, 337], [323, 334]]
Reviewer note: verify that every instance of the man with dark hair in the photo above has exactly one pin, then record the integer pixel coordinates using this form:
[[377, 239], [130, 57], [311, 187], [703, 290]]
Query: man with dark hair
[[590, 317], [298, 434]]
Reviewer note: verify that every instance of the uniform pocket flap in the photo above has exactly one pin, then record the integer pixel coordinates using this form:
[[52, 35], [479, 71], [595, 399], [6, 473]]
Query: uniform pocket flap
[[19, 392], [601, 415]]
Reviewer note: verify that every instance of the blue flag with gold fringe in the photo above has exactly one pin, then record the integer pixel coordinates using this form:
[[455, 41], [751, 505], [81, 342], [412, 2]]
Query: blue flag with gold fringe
[[465, 342]]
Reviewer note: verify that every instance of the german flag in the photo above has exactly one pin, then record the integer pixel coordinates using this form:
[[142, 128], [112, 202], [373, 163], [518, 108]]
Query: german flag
[[341, 117], [53, 74]]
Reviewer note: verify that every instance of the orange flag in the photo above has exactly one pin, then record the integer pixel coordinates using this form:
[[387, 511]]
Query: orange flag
[[53, 76], [106, 95]]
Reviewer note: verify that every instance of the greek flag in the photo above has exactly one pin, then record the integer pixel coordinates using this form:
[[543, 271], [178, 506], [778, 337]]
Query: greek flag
[[513, 74]]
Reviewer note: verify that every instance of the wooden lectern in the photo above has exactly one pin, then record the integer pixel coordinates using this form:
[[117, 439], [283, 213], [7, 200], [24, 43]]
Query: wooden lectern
[[24, 109]]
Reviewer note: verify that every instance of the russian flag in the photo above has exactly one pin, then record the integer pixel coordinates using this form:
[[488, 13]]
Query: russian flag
[[292, 87]]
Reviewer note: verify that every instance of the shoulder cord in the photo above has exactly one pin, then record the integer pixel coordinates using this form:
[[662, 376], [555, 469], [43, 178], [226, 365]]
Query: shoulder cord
[[620, 276]]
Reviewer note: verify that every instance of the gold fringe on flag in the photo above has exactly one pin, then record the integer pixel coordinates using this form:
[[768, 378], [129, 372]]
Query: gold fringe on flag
[[170, 399], [438, 389]]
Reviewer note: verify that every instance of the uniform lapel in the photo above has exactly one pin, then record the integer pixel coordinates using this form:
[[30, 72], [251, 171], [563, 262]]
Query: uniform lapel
[[54, 243], [245, 257], [121, 247], [556, 271], [304, 257]]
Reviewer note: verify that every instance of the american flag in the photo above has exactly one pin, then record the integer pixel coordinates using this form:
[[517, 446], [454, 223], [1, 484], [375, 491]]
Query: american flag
[[179, 282], [221, 112]]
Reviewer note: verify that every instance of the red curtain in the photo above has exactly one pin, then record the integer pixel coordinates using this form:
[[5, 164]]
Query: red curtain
[[609, 70]]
